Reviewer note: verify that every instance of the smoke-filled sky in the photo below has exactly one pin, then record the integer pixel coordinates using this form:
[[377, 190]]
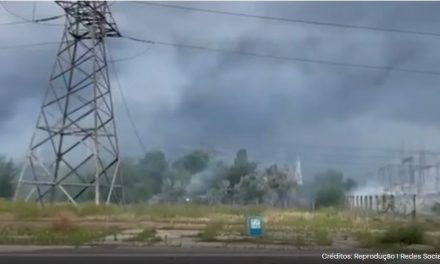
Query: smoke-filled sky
[[181, 99]]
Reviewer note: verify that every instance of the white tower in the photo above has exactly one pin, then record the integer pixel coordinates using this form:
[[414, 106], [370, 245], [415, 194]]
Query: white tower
[[298, 174]]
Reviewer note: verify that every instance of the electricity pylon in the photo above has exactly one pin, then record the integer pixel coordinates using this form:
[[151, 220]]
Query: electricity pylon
[[74, 151]]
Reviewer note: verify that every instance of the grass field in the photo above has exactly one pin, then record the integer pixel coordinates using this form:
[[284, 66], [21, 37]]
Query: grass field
[[180, 225]]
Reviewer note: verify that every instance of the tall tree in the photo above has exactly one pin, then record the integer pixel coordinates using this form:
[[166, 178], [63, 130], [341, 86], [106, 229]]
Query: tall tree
[[193, 162], [280, 183], [329, 177], [153, 167], [241, 157], [329, 188], [172, 191], [138, 186], [350, 184], [8, 172], [242, 166], [252, 188]]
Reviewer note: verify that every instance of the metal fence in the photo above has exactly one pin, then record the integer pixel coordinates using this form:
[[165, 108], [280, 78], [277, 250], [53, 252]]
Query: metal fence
[[401, 204]]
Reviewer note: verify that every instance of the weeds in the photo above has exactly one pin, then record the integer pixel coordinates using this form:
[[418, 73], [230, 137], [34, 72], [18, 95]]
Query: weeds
[[404, 234], [367, 239], [5, 206], [91, 209], [283, 226], [48, 236], [323, 237], [22, 210], [211, 231], [63, 222], [300, 240], [147, 235]]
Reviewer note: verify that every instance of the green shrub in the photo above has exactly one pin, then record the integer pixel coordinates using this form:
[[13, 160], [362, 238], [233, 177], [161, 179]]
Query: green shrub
[[62, 235], [323, 237], [147, 235], [5, 205], [91, 209], [367, 239], [26, 210], [404, 234], [330, 196]]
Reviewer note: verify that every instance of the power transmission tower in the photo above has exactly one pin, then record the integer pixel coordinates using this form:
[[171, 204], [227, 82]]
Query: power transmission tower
[[74, 153]]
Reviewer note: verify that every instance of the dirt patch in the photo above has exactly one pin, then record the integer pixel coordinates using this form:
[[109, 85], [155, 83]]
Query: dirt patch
[[178, 237], [120, 237]]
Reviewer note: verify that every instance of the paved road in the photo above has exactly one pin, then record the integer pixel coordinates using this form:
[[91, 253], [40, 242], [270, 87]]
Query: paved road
[[113, 255]]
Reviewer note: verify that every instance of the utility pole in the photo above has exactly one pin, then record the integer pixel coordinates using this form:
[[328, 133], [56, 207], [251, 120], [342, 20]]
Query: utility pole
[[389, 176], [421, 174], [381, 175], [401, 168], [437, 173], [74, 150]]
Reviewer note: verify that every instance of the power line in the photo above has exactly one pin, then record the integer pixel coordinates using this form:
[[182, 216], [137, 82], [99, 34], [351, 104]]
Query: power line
[[25, 20], [12, 13], [13, 23], [35, 22], [125, 104], [243, 53], [293, 20], [28, 45], [284, 58], [48, 19], [300, 146], [133, 56], [34, 7]]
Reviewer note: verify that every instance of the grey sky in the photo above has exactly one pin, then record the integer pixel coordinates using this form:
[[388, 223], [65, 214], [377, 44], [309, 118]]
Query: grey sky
[[184, 99]]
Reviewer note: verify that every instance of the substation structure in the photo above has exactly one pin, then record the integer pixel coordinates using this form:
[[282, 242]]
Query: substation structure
[[408, 185]]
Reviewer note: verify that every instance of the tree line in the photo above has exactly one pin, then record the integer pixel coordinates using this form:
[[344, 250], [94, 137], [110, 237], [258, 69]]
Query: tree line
[[198, 177]]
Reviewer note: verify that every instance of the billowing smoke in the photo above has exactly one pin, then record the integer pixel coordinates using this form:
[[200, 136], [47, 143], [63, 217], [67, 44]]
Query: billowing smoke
[[369, 189], [204, 180]]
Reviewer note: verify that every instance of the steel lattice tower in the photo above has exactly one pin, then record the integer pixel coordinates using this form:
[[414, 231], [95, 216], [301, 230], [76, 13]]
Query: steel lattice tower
[[74, 150]]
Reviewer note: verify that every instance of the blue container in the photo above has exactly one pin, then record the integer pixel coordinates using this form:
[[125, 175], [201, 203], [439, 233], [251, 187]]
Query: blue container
[[255, 226]]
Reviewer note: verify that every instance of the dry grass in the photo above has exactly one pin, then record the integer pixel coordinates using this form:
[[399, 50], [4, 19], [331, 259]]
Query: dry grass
[[64, 222], [293, 227], [212, 230], [63, 234], [148, 235]]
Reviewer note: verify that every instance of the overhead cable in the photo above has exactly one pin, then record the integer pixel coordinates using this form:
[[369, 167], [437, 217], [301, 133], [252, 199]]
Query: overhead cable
[[284, 58], [292, 20]]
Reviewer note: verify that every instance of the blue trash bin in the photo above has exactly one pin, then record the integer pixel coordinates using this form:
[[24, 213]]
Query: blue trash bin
[[255, 226]]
